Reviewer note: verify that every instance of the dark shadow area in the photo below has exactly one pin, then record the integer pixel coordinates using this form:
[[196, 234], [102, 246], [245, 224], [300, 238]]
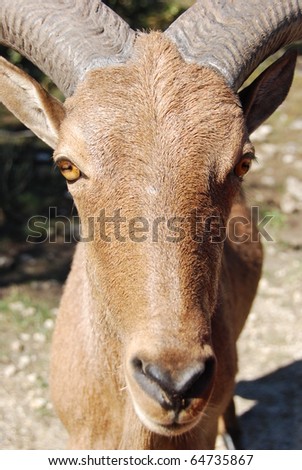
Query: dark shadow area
[[34, 205], [277, 416], [23, 263]]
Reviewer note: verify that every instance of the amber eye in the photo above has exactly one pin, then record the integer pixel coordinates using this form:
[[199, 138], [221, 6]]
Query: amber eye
[[69, 170], [243, 166]]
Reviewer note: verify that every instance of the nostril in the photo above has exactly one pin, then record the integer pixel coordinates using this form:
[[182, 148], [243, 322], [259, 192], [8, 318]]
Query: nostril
[[138, 365], [149, 381], [201, 381]]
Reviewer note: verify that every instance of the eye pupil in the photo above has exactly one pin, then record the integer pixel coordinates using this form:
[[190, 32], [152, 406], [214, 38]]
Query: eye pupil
[[66, 167]]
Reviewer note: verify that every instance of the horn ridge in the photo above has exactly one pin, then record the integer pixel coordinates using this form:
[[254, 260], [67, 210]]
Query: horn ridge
[[234, 37], [65, 38]]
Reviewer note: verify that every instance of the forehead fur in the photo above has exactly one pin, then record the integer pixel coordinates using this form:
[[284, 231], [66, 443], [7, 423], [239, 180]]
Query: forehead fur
[[157, 110]]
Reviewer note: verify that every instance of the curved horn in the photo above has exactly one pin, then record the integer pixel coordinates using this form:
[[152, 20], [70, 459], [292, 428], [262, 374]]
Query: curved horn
[[235, 36], [65, 38]]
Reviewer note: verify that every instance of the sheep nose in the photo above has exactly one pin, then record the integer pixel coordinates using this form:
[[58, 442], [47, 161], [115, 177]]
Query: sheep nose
[[174, 389]]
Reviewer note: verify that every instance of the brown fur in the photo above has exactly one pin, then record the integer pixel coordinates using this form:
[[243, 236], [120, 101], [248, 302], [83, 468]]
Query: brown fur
[[157, 139], [153, 139]]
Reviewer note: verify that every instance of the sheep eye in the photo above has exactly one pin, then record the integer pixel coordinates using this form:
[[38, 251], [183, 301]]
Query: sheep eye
[[70, 171], [243, 166]]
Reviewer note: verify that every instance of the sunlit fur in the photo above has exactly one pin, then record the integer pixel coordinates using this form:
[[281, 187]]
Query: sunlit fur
[[154, 137]]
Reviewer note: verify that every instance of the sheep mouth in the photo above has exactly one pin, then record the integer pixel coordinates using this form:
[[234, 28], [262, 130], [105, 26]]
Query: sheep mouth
[[175, 429], [173, 426]]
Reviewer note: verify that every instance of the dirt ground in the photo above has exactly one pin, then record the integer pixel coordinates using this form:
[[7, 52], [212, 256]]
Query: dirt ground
[[269, 391]]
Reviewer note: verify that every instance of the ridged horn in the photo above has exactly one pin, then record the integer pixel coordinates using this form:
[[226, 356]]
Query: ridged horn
[[235, 36], [65, 38]]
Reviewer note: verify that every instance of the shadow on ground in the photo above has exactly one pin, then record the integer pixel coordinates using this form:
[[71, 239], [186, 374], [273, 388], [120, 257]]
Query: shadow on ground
[[275, 420]]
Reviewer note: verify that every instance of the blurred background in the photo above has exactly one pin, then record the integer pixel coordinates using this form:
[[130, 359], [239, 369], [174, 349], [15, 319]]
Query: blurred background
[[32, 274]]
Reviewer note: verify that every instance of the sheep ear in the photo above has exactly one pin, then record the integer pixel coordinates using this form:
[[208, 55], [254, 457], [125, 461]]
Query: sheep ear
[[261, 98], [30, 103]]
